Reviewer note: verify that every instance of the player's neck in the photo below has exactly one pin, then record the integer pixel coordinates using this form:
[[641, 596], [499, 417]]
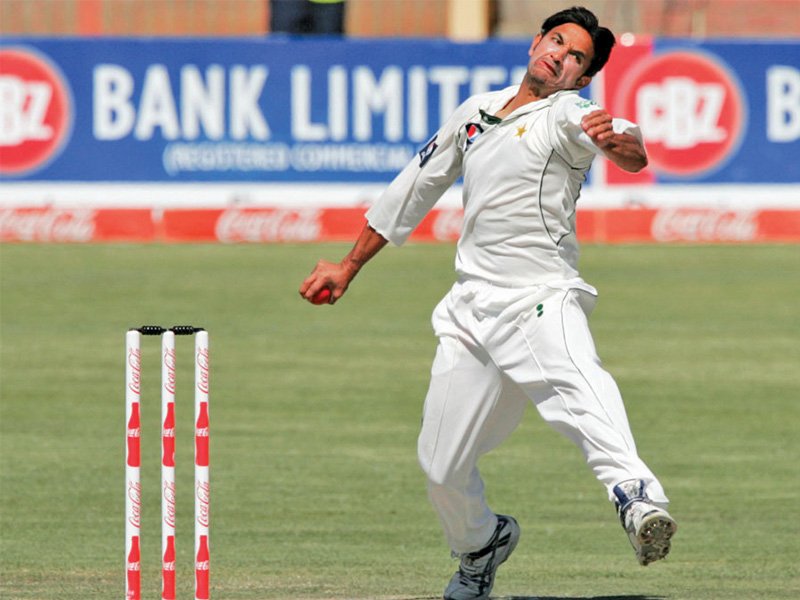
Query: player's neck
[[529, 91]]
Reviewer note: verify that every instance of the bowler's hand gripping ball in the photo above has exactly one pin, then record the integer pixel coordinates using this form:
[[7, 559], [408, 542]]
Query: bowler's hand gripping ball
[[321, 297]]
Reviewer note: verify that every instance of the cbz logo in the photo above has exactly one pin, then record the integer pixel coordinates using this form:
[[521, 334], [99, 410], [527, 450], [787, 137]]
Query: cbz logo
[[691, 110], [35, 111]]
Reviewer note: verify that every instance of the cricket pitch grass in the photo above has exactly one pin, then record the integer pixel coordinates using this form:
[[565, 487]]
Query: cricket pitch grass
[[316, 493]]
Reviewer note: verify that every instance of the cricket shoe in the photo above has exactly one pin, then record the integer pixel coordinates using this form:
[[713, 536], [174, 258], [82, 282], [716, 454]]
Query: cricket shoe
[[649, 527], [475, 577]]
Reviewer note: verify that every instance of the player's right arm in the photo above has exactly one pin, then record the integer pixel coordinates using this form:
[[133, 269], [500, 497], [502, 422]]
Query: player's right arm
[[337, 276], [418, 187], [399, 210]]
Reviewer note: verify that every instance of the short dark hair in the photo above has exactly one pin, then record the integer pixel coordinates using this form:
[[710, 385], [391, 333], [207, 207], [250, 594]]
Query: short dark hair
[[602, 37]]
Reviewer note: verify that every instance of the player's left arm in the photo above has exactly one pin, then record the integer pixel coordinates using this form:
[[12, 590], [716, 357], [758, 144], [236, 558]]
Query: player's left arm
[[623, 149]]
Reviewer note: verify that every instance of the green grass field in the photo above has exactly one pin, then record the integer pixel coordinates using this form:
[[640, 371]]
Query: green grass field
[[315, 488]]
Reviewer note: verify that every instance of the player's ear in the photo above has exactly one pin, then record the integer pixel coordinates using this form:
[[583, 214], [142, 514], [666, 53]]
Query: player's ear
[[582, 82], [534, 43]]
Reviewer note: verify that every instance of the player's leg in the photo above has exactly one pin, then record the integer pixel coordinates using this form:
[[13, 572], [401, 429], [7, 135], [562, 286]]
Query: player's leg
[[328, 17], [290, 16], [466, 414], [469, 409], [553, 358]]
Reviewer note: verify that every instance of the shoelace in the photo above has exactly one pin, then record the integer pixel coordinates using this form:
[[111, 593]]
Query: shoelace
[[482, 578]]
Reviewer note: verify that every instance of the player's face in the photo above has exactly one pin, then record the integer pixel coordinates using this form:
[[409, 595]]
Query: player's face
[[560, 57]]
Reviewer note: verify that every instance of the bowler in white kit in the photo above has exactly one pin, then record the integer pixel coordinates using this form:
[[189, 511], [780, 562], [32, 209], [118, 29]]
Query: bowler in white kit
[[514, 327]]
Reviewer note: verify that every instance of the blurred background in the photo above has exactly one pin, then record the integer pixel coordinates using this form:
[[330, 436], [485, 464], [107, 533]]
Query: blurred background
[[455, 19], [188, 161], [280, 120]]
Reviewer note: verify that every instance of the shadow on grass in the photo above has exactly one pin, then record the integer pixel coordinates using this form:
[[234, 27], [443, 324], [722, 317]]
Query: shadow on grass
[[625, 597]]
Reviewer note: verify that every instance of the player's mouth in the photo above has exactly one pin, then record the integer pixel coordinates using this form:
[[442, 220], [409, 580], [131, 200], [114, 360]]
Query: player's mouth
[[549, 67]]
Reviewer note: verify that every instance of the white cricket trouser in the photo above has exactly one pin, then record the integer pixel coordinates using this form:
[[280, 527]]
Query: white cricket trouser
[[498, 349]]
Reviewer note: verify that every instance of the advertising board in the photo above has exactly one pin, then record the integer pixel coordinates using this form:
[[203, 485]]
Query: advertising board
[[145, 126]]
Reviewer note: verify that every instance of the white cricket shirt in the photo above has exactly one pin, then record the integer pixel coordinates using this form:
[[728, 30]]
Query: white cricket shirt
[[522, 178]]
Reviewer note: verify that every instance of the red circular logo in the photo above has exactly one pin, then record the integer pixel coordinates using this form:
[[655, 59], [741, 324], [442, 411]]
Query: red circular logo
[[690, 109], [35, 111]]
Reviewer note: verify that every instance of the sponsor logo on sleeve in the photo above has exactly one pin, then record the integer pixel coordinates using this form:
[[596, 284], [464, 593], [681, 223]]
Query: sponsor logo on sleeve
[[426, 152]]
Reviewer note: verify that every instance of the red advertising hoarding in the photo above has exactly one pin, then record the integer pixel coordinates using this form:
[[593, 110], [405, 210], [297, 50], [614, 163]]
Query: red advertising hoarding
[[273, 225]]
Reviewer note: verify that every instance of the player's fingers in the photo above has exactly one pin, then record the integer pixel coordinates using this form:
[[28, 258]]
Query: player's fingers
[[311, 293], [312, 285], [589, 120], [597, 115], [317, 279], [596, 119], [307, 283], [599, 130], [605, 134], [592, 129]]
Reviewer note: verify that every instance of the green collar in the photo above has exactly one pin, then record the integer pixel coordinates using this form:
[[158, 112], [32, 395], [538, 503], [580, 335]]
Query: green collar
[[489, 119]]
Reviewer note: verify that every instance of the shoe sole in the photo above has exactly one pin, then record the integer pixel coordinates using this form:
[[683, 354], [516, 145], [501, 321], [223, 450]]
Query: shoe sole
[[655, 538]]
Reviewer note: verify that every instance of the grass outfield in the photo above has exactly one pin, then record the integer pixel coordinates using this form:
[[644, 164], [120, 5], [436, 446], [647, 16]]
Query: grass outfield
[[315, 488]]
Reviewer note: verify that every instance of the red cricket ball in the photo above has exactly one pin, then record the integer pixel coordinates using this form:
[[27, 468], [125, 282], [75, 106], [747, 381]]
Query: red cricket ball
[[322, 296]]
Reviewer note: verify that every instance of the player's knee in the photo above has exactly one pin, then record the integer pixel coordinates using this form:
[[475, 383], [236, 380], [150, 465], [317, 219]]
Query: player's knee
[[439, 477], [438, 471]]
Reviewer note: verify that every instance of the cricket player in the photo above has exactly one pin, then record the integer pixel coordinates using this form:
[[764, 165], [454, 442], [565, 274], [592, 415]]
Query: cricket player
[[513, 329]]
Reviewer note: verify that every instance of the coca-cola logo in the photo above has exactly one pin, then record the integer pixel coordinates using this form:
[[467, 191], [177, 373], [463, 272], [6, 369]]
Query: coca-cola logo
[[269, 225], [201, 565], [47, 224], [169, 370], [168, 565], [135, 497], [447, 225], [203, 361], [203, 494], [134, 566], [135, 372], [169, 503], [704, 225]]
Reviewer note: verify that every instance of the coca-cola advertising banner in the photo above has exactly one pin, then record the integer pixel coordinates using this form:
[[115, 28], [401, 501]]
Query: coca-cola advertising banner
[[270, 140], [278, 110], [269, 225]]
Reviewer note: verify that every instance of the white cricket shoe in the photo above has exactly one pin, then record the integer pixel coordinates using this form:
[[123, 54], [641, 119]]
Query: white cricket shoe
[[475, 577], [649, 527]]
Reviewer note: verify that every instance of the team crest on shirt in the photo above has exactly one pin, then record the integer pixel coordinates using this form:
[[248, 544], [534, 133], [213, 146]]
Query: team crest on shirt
[[427, 151], [472, 131]]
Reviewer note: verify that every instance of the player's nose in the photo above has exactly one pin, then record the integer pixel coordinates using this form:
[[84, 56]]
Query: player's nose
[[559, 54]]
